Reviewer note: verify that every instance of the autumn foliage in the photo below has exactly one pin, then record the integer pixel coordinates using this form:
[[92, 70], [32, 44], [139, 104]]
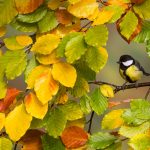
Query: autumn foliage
[[60, 48]]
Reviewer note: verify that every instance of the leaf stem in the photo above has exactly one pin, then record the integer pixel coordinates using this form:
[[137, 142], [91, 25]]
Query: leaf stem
[[147, 93]]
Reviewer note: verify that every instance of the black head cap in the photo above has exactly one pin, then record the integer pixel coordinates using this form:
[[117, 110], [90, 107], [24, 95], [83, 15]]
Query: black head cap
[[125, 58]]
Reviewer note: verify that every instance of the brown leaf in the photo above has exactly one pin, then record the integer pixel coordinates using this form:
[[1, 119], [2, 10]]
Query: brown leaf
[[74, 137], [137, 1], [32, 140], [9, 99], [27, 6], [63, 16]]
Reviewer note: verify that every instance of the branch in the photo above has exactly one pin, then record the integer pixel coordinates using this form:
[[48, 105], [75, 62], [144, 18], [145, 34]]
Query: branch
[[122, 87], [85, 25], [147, 93], [2, 44], [90, 121]]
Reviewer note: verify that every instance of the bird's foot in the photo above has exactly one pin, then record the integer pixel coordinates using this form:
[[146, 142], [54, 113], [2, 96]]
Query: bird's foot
[[124, 85], [136, 85]]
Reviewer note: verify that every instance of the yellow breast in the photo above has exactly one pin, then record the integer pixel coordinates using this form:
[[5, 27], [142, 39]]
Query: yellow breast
[[134, 73]]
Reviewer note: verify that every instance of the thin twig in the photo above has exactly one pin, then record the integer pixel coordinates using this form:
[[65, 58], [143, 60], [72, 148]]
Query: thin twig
[[121, 88], [85, 25], [147, 93], [91, 120], [2, 44], [15, 147]]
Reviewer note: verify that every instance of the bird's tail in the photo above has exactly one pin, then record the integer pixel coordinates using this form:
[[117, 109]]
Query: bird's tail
[[146, 74]]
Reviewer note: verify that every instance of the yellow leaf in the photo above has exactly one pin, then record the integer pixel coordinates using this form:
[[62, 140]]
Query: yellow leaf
[[61, 97], [45, 87], [2, 120], [24, 40], [2, 31], [1, 53], [123, 3], [17, 122], [34, 74], [94, 15], [79, 123], [103, 17], [54, 4], [63, 30], [12, 44], [34, 106], [113, 119], [64, 73], [46, 44], [107, 90], [83, 9], [47, 59]]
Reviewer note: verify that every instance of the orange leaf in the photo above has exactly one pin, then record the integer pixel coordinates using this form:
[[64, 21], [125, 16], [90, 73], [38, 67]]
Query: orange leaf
[[74, 137], [35, 107], [9, 99], [112, 104], [27, 6], [63, 16], [32, 140], [45, 87]]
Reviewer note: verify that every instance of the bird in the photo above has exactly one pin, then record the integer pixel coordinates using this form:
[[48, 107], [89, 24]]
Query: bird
[[130, 69]]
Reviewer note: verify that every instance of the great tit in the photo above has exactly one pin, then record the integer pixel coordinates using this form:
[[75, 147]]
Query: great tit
[[130, 69]]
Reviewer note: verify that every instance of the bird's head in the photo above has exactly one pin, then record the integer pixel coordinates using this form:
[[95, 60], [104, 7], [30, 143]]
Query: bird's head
[[126, 60]]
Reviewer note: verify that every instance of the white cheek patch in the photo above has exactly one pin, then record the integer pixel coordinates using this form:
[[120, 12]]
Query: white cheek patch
[[128, 63]]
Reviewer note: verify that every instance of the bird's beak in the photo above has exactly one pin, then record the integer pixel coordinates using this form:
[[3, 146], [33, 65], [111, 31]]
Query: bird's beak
[[118, 62]]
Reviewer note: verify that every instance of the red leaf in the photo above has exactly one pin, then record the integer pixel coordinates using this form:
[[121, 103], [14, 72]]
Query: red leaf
[[8, 100], [74, 137], [32, 140]]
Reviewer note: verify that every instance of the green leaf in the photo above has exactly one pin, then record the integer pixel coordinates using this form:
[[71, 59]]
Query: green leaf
[[97, 36], [31, 65], [48, 23], [96, 58], [72, 110], [49, 143], [84, 71], [142, 107], [3, 88], [140, 142], [56, 122], [101, 140], [36, 16], [7, 11], [139, 112], [37, 123], [3, 85], [5, 144], [143, 9], [118, 11], [131, 118], [24, 27], [130, 131], [144, 35], [15, 63], [80, 88], [115, 146], [75, 48], [128, 24], [63, 43], [148, 47], [98, 102], [85, 104]]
